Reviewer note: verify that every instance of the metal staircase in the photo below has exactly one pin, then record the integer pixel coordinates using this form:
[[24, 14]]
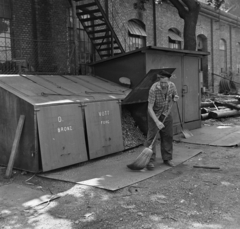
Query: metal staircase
[[99, 29]]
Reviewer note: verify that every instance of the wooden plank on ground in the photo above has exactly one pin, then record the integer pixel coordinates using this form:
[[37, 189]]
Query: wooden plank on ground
[[15, 146]]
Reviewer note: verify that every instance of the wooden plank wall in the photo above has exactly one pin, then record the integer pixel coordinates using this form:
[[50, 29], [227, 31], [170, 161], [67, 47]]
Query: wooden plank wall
[[11, 108]]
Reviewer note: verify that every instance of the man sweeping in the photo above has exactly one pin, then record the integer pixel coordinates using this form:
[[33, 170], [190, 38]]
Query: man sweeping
[[162, 94]]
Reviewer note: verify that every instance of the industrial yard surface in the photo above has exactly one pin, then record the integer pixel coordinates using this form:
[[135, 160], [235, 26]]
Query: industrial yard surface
[[184, 197]]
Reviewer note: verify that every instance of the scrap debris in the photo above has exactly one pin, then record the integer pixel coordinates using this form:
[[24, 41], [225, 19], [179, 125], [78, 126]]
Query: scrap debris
[[206, 167], [132, 135], [220, 106]]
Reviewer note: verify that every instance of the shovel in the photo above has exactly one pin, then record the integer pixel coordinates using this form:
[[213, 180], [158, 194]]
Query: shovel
[[186, 133]]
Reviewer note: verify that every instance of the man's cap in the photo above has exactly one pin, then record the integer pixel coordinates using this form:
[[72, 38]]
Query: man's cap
[[166, 72]]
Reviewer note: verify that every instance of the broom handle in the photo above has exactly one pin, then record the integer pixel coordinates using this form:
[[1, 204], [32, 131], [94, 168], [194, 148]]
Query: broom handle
[[162, 122]]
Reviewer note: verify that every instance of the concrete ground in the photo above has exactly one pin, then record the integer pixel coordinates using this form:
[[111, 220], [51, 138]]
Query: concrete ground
[[183, 197]]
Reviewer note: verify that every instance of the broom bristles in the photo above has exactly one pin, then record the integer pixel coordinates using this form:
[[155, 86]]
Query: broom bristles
[[142, 160]]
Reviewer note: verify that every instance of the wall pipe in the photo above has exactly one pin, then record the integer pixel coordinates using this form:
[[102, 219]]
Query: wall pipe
[[230, 35], [212, 55], [154, 24], [75, 40]]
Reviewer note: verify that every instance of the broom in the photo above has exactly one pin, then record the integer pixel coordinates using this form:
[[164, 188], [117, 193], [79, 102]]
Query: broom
[[144, 157]]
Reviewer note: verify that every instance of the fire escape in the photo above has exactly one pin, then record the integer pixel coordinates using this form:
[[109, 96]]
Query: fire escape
[[98, 27]]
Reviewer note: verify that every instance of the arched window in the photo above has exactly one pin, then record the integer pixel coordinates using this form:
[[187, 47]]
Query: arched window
[[137, 34], [199, 43], [223, 55], [5, 41], [174, 39]]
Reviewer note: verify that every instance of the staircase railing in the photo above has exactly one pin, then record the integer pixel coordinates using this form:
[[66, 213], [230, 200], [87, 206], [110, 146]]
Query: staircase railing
[[115, 20]]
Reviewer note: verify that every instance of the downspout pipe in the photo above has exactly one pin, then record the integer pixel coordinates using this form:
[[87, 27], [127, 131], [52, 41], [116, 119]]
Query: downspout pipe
[[230, 36], [154, 24], [75, 39], [212, 55]]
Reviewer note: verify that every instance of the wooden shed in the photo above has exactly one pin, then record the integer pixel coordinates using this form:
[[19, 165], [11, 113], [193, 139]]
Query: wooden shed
[[139, 66], [68, 119]]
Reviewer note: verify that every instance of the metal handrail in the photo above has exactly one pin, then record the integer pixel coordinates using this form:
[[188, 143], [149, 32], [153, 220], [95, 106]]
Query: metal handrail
[[114, 19]]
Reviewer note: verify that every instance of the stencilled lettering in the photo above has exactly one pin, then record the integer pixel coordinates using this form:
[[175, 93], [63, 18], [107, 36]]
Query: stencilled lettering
[[105, 122], [64, 129], [103, 113]]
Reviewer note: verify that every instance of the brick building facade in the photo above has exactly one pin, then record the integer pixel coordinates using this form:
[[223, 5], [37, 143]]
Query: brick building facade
[[40, 32]]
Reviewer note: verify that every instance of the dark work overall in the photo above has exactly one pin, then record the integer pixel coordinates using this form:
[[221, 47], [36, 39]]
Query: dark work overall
[[166, 137]]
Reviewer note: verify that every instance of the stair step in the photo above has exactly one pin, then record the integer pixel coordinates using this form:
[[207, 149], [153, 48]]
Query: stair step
[[98, 31], [108, 49], [101, 37], [105, 55], [95, 25], [90, 18], [84, 6], [84, 12], [104, 43]]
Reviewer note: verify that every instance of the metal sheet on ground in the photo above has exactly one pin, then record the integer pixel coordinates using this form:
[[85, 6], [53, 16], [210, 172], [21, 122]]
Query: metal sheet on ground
[[232, 139], [61, 136], [213, 135], [104, 129], [112, 173]]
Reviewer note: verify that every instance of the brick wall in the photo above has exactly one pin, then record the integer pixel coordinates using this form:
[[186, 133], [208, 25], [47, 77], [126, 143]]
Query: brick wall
[[23, 30], [40, 33], [53, 35], [46, 20], [167, 17]]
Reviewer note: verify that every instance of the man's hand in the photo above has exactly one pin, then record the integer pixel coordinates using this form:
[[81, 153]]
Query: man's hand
[[160, 125], [175, 98]]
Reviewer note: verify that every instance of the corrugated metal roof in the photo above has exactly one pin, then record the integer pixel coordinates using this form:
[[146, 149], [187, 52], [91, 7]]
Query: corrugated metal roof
[[136, 29], [174, 36], [57, 89]]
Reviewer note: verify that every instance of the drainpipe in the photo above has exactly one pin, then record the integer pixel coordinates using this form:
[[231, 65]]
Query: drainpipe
[[212, 55], [230, 34], [75, 40], [154, 24], [35, 61]]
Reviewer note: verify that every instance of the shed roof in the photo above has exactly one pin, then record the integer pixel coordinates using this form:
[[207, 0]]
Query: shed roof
[[148, 48], [42, 90]]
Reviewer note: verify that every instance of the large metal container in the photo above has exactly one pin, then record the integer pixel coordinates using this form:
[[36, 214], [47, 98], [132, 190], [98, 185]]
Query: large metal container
[[69, 119], [139, 66]]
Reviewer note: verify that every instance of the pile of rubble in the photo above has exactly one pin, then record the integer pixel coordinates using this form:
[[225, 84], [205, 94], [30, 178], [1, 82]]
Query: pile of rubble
[[132, 135]]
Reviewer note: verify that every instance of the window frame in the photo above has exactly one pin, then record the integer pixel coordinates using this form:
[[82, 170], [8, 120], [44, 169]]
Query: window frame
[[174, 44], [136, 41], [5, 42]]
